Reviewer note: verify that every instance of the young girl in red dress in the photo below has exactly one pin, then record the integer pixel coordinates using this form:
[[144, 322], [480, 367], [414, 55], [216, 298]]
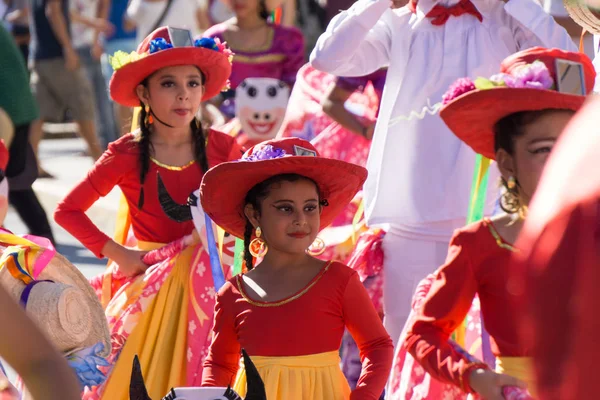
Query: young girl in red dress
[[514, 118], [290, 311], [161, 312]]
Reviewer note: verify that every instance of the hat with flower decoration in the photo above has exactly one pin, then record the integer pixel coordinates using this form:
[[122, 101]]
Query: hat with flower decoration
[[528, 81], [224, 187], [169, 47]]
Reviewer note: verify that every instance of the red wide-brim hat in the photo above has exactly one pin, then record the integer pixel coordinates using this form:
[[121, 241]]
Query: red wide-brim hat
[[214, 63], [472, 116], [224, 187]]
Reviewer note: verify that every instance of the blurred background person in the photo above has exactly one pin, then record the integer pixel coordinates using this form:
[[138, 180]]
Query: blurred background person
[[89, 24]]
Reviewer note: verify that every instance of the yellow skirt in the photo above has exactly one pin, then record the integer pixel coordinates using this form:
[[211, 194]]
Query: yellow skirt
[[159, 338], [312, 377], [518, 367]]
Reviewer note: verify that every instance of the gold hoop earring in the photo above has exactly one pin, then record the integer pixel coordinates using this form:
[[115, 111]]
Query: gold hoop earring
[[317, 248], [258, 247]]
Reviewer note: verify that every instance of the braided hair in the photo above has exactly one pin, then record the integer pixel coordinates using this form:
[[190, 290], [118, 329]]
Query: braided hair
[[255, 196], [199, 138]]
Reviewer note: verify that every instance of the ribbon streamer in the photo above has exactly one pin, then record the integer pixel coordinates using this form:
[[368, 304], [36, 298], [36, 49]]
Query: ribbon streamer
[[213, 252], [239, 257]]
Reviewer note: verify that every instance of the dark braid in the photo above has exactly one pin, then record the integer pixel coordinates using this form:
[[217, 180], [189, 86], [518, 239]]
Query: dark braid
[[199, 138], [145, 147], [247, 238]]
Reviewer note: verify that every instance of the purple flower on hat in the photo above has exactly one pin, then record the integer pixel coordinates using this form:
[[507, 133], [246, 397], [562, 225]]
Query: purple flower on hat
[[531, 76], [159, 44], [267, 152], [460, 87]]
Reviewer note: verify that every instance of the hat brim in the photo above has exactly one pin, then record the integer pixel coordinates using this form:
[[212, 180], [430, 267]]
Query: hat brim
[[225, 186], [214, 65], [583, 16], [472, 116]]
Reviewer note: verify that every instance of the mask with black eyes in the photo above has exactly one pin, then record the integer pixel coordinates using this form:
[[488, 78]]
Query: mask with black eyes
[[260, 105], [255, 389]]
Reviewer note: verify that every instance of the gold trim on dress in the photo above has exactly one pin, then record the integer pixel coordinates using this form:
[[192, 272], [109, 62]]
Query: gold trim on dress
[[267, 58], [284, 301], [499, 241], [171, 167], [268, 44]]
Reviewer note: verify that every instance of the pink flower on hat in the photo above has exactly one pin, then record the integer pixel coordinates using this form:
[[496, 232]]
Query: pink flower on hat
[[459, 87]]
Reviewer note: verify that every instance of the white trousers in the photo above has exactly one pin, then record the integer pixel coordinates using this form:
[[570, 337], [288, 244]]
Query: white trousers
[[406, 263]]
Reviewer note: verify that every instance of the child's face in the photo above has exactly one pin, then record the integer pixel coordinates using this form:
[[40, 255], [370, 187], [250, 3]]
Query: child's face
[[290, 216], [174, 94], [531, 150]]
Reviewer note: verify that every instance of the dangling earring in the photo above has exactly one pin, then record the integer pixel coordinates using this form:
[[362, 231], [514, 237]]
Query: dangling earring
[[149, 119], [258, 247], [317, 247], [511, 184]]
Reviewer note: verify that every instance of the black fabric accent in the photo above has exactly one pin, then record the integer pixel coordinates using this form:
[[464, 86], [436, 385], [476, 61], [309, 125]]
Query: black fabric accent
[[175, 211]]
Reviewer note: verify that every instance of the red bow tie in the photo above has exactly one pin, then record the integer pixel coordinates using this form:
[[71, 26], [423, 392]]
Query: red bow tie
[[440, 14]]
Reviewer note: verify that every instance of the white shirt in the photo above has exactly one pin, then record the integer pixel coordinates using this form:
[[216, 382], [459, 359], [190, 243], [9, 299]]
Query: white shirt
[[181, 14], [81, 34], [419, 172]]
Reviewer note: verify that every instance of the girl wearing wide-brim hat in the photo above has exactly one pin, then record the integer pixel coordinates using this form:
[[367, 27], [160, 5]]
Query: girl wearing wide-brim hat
[[159, 313], [289, 312], [513, 118]]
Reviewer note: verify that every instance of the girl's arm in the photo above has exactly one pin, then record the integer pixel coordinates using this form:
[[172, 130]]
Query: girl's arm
[[222, 361], [374, 343], [334, 106], [46, 374], [443, 310], [100, 180], [357, 41]]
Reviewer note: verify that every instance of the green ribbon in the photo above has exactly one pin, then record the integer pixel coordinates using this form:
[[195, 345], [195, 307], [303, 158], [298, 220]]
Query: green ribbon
[[238, 257]]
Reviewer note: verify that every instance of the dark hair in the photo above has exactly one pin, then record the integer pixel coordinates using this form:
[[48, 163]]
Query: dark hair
[[506, 131], [258, 193], [262, 10], [198, 136]]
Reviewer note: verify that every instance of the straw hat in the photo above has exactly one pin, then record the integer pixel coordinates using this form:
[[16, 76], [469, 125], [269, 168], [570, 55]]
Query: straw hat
[[61, 302], [583, 15]]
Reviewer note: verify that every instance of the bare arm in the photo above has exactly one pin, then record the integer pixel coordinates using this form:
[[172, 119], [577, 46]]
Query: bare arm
[[46, 374], [58, 23], [333, 105]]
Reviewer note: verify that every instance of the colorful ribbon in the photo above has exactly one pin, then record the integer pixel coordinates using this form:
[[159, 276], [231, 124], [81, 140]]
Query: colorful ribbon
[[239, 257], [213, 252]]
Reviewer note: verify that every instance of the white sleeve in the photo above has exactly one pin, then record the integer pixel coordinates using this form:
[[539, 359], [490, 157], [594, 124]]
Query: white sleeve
[[356, 42], [540, 27]]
